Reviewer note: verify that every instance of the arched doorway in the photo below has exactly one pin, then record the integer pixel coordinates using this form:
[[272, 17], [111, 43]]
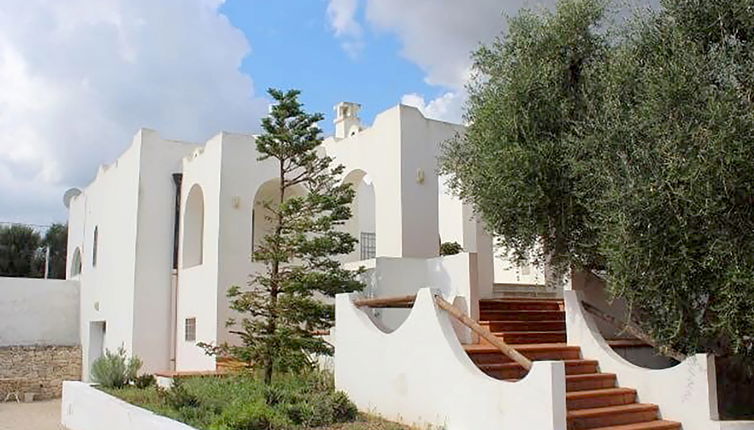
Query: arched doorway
[[193, 228], [362, 224]]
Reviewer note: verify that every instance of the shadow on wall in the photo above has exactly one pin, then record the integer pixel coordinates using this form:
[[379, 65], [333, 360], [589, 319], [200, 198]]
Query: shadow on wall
[[735, 386]]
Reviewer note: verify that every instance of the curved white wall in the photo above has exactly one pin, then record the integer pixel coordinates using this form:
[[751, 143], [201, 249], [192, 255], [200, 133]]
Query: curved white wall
[[685, 392], [420, 374]]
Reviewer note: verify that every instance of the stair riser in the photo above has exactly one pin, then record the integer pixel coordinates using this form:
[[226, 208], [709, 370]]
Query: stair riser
[[514, 326], [600, 401], [612, 420], [497, 357], [590, 384], [514, 338], [521, 316], [513, 306], [518, 372]]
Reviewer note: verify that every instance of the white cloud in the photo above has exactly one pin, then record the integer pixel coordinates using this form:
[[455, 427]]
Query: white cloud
[[439, 36], [78, 78], [447, 107], [342, 17]]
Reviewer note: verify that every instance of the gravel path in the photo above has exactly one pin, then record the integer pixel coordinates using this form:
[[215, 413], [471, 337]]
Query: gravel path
[[44, 415]]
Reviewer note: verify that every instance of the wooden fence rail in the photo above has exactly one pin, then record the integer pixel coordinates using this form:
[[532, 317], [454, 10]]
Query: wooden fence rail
[[408, 301]]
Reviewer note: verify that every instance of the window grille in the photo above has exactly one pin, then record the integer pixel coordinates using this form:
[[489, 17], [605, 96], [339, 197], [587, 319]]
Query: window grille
[[190, 335], [368, 242]]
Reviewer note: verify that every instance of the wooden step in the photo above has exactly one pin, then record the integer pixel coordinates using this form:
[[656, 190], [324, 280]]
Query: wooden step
[[649, 425], [484, 354], [517, 326], [495, 315], [520, 304], [524, 337], [611, 416], [514, 371], [600, 398], [590, 381]]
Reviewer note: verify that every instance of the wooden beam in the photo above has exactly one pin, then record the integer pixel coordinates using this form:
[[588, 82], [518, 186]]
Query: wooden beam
[[506, 349], [387, 302]]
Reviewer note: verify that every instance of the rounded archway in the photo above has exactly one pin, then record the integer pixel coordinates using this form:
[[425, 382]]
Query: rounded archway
[[193, 228], [362, 224], [262, 217]]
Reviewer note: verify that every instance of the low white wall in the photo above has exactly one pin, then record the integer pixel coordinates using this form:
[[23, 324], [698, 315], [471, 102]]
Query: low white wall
[[420, 374], [39, 312], [87, 408], [685, 392], [454, 275]]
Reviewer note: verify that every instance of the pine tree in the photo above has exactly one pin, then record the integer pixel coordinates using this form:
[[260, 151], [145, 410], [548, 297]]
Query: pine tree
[[283, 307]]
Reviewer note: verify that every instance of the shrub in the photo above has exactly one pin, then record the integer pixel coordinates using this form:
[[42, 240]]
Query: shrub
[[450, 248], [145, 381], [251, 416], [178, 397], [114, 370]]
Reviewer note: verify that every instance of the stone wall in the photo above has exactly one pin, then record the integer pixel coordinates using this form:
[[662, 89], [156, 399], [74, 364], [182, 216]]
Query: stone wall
[[40, 369]]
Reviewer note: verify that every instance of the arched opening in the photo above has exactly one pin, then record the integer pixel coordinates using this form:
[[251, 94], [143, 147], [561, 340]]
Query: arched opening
[[362, 224], [193, 228], [75, 263], [262, 222], [95, 246]]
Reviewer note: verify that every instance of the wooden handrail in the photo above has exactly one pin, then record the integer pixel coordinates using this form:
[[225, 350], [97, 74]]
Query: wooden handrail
[[408, 301], [632, 329], [484, 333], [387, 302]]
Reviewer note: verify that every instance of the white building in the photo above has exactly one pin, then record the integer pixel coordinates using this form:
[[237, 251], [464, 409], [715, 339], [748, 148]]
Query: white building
[[159, 235]]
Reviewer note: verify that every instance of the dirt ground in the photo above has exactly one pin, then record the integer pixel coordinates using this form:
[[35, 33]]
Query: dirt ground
[[44, 415]]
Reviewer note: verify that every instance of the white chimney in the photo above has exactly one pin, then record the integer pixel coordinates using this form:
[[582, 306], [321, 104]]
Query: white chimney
[[347, 121]]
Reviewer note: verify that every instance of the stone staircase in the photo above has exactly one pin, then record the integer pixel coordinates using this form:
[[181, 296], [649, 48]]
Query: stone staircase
[[536, 328]]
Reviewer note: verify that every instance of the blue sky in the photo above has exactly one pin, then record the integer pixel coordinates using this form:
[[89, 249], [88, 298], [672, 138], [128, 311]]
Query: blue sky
[[73, 96], [293, 46]]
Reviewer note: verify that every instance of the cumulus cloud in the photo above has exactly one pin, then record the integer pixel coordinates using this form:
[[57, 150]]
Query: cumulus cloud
[[78, 78], [439, 36], [447, 107], [342, 17]]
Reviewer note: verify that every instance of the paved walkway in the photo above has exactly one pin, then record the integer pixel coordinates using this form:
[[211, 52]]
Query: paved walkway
[[44, 415]]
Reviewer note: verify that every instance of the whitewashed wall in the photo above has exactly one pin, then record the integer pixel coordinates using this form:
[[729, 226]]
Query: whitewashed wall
[[419, 374], [87, 408], [39, 312], [686, 393]]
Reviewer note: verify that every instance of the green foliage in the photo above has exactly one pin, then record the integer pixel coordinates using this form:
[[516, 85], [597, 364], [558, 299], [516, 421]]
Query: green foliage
[[243, 402], [114, 369], [629, 154], [527, 96], [56, 239], [20, 254], [144, 381], [450, 248], [665, 162], [281, 310]]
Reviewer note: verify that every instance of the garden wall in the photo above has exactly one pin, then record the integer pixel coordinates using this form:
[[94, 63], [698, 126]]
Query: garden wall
[[39, 312], [40, 369], [87, 408]]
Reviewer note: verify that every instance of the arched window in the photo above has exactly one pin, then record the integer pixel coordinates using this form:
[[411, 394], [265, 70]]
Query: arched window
[[76, 263], [95, 246], [193, 228], [362, 224]]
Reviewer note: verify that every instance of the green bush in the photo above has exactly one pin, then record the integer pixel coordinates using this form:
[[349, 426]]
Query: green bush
[[114, 369], [178, 397], [144, 381], [252, 416], [450, 248]]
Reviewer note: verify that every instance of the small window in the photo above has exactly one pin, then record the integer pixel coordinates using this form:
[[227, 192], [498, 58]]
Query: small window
[[76, 263], [94, 246], [190, 329]]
